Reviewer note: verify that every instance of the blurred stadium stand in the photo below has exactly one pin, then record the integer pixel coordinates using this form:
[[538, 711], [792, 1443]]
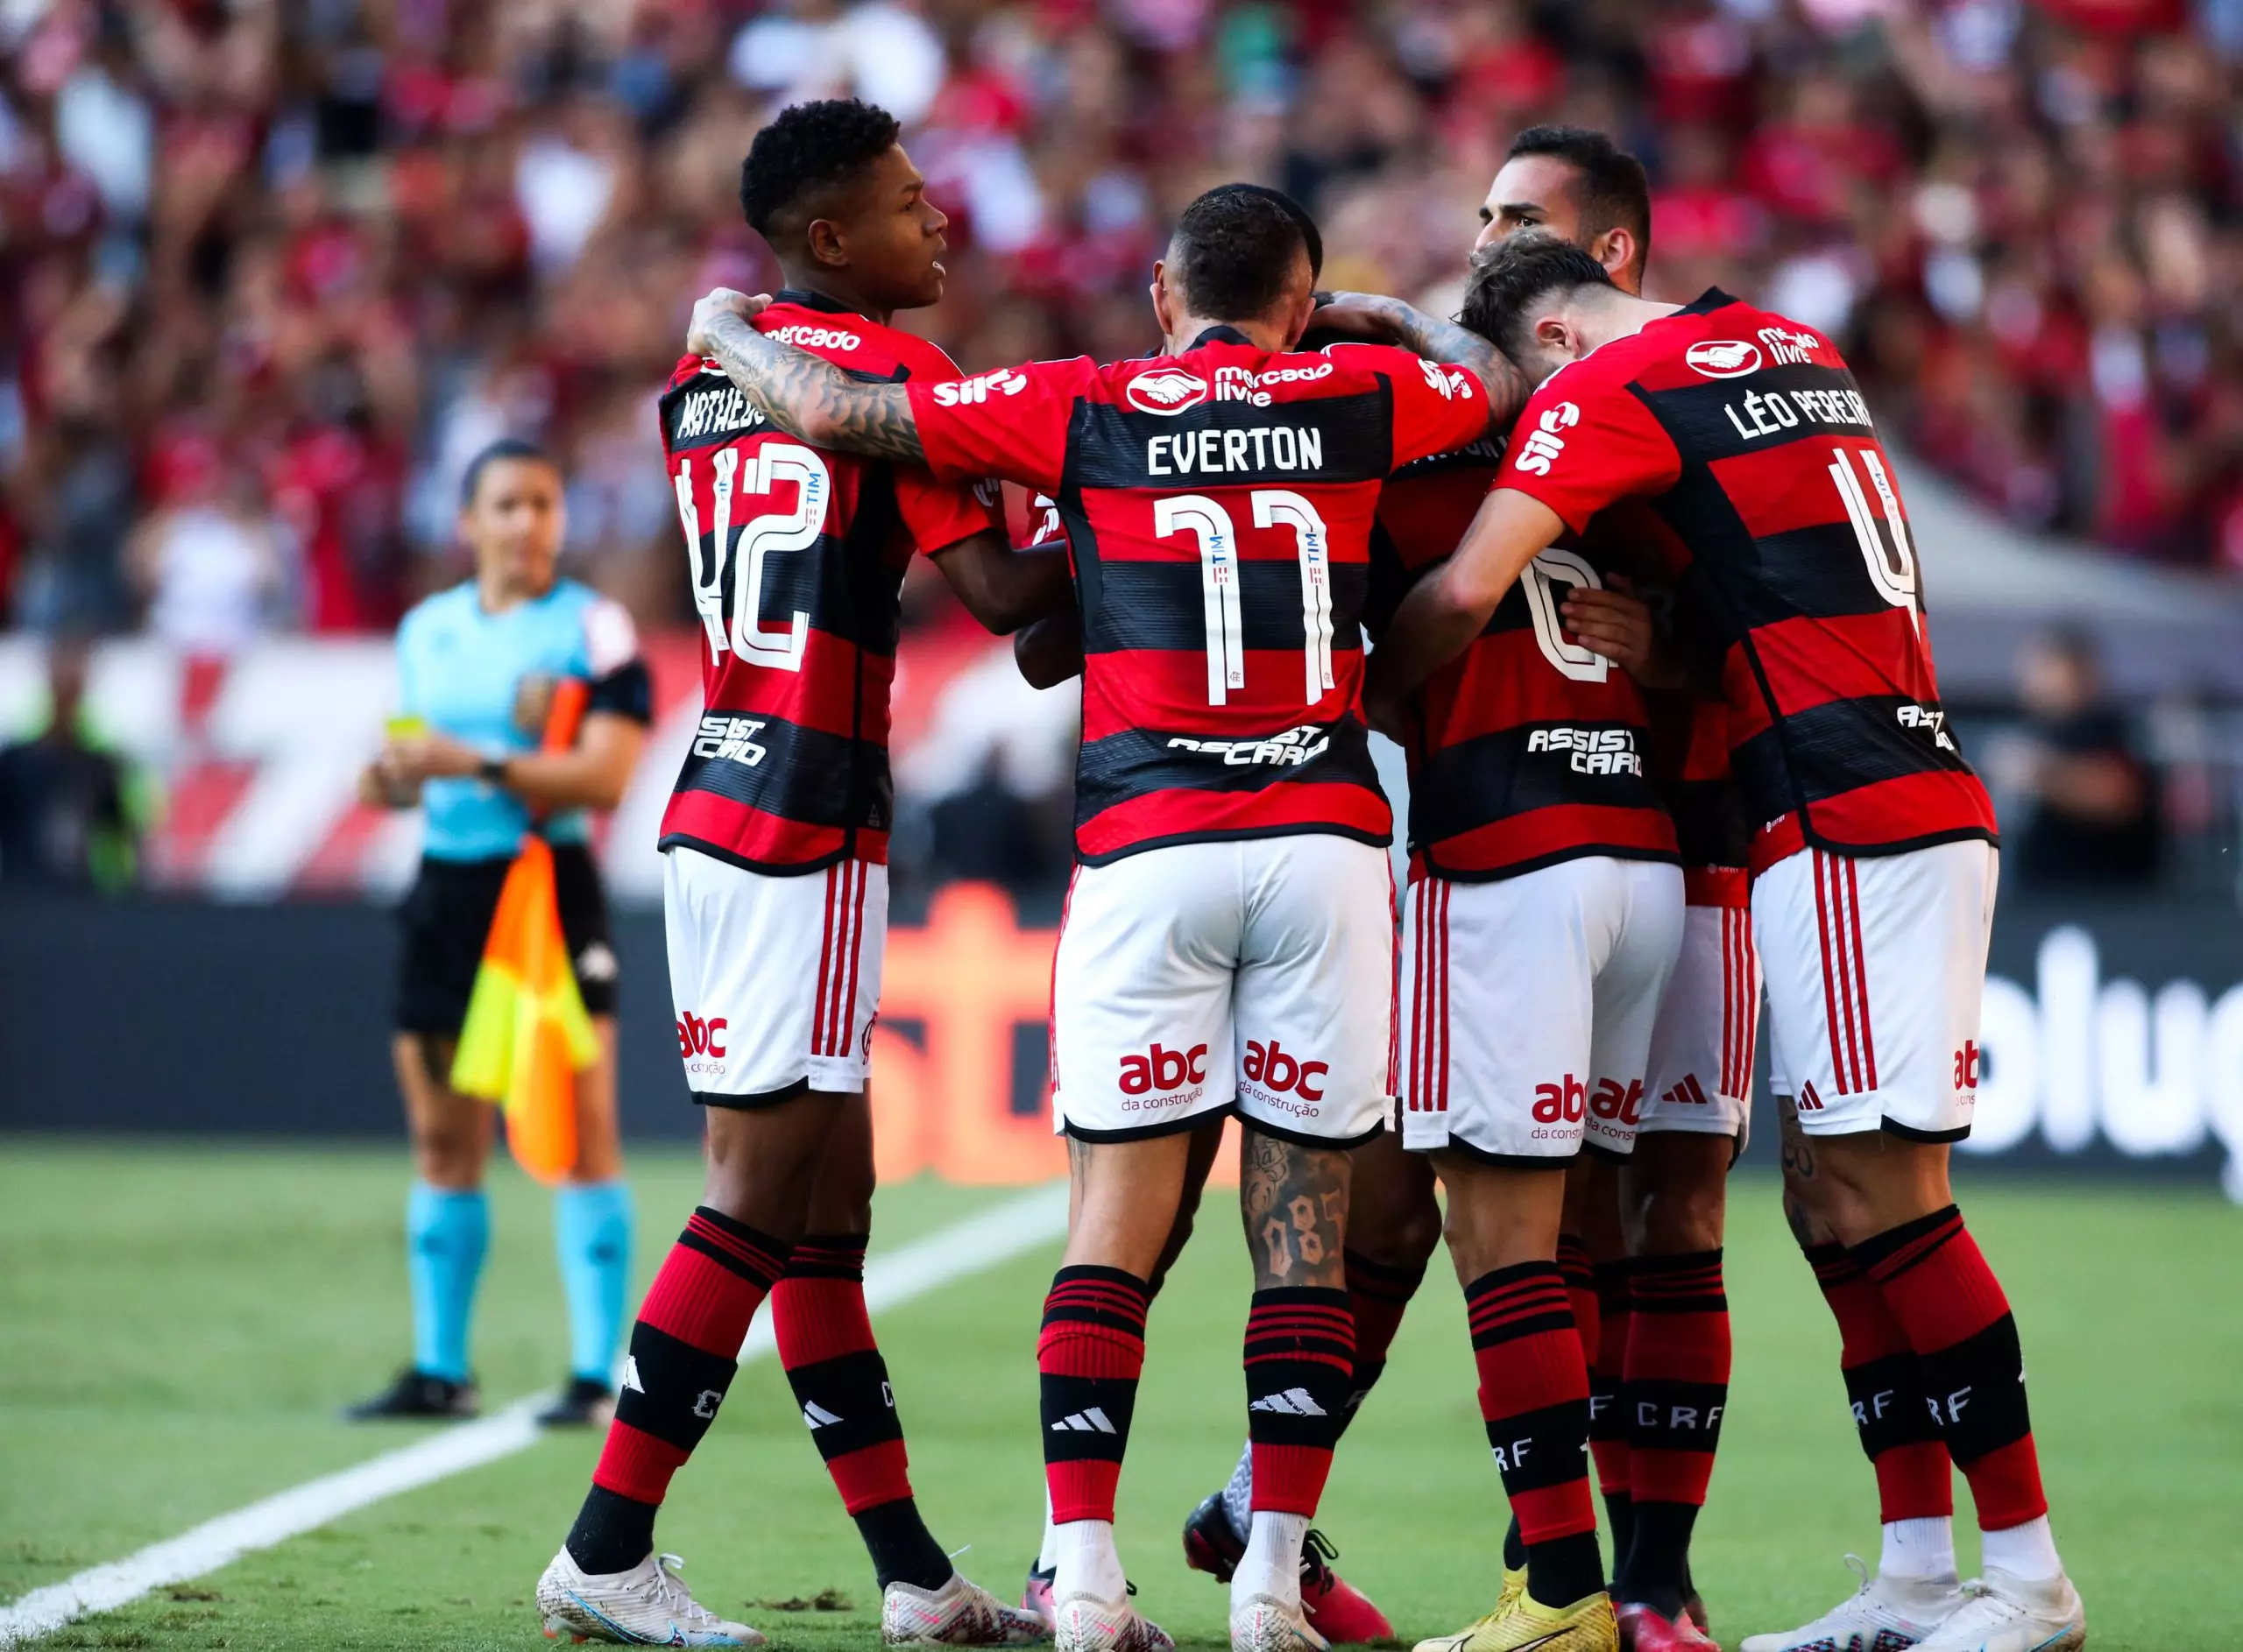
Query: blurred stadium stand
[[273, 270]]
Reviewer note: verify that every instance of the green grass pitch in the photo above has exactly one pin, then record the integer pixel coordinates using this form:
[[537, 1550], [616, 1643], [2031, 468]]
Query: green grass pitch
[[178, 1325]]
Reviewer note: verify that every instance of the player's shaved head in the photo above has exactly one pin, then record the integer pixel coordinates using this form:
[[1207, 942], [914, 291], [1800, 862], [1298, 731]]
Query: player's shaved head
[[1237, 253], [804, 161]]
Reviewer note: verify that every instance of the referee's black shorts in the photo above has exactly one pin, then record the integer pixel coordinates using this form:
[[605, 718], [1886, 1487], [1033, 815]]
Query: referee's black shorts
[[446, 918]]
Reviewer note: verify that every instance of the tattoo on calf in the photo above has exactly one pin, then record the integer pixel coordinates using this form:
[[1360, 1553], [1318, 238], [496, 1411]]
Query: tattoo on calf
[[1294, 1202]]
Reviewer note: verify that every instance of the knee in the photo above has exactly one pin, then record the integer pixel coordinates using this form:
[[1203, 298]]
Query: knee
[[448, 1152], [1403, 1238], [1677, 1216]]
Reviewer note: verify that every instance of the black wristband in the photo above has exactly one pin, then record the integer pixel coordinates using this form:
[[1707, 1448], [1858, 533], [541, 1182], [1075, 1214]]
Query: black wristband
[[493, 770]]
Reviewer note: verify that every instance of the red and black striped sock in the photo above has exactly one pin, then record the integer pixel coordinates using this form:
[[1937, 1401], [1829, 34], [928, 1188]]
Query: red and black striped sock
[[1300, 1362], [1885, 1387], [1674, 1394], [1378, 1295], [1535, 1397], [1088, 1358], [1607, 1427], [684, 1350], [1944, 1296], [840, 1381]]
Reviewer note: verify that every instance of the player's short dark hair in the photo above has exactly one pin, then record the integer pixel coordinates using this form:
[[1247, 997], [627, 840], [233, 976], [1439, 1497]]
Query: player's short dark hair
[[811, 147], [1233, 249], [1511, 276], [1612, 192], [1312, 237], [505, 448]]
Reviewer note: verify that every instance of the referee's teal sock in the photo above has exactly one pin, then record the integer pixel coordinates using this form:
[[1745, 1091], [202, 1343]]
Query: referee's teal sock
[[446, 1233], [591, 1234]]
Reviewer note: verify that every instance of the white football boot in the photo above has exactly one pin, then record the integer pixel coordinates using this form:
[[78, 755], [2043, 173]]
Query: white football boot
[[1264, 1623], [648, 1605], [1085, 1623], [959, 1613], [1886, 1614], [2002, 1613]]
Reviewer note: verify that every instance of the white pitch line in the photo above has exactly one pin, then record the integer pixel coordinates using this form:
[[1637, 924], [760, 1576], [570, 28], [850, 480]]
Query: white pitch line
[[925, 1265]]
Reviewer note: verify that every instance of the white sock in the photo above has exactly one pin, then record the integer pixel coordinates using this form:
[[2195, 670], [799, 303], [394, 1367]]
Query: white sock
[[1271, 1564], [1088, 1563], [1920, 1548], [1238, 1495], [1048, 1556], [2026, 1551]]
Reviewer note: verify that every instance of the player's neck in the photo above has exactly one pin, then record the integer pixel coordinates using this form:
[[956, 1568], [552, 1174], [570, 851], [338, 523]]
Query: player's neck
[[834, 290], [1619, 315], [495, 593], [1262, 335]]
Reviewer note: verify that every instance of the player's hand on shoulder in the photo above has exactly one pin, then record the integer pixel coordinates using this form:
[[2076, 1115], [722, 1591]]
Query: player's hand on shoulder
[[712, 307], [1363, 318]]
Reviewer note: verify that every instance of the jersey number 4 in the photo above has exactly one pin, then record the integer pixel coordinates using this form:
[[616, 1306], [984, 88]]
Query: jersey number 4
[[1209, 523], [767, 534]]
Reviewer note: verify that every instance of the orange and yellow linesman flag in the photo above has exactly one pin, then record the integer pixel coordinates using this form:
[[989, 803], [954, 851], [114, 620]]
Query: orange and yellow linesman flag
[[527, 1035]]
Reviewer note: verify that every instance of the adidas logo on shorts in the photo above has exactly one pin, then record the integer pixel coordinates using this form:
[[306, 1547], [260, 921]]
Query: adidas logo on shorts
[[1090, 1420], [1293, 1403]]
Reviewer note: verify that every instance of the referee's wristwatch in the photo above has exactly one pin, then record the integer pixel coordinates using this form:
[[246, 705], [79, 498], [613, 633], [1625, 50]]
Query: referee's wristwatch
[[493, 772]]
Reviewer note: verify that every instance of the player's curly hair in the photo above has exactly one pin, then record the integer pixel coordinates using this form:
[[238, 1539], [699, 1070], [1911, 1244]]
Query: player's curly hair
[[1510, 278], [811, 147], [1232, 250]]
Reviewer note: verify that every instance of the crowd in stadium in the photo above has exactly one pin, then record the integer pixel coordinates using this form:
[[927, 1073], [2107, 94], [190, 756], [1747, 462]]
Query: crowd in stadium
[[273, 273]]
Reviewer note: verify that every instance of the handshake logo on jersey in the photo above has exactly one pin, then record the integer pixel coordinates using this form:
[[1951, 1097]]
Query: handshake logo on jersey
[[1595, 750], [732, 739], [1293, 747]]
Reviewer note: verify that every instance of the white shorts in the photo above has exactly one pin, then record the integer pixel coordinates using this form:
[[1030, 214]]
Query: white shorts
[[1875, 968], [1530, 1002], [1699, 1078], [774, 980], [1256, 974]]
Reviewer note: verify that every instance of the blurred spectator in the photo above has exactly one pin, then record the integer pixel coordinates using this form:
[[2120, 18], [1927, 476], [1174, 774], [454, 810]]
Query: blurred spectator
[[65, 817], [342, 244], [2093, 815]]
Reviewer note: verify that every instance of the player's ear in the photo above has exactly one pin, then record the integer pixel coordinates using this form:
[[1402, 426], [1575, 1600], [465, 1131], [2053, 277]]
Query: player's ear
[[1553, 332], [1164, 303], [828, 244], [1615, 250]]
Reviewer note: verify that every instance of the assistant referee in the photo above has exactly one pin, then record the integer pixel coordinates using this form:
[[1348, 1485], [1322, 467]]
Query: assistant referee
[[476, 667]]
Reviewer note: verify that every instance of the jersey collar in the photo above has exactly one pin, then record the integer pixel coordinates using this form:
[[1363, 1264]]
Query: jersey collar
[[1706, 302], [803, 299], [1221, 333]]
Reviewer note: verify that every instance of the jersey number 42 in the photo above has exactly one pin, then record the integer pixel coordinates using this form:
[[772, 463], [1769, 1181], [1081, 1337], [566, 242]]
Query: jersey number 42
[[741, 556]]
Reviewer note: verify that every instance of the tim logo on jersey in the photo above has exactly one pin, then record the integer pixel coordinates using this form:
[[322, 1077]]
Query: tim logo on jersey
[[1166, 390]]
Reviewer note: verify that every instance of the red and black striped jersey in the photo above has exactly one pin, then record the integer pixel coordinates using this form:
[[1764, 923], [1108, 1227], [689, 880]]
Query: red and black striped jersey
[[1528, 749], [1689, 764], [1217, 509], [1738, 443], [797, 555]]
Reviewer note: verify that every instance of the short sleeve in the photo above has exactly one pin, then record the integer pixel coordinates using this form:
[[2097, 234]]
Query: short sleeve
[[1011, 423], [408, 676], [1437, 408], [1584, 442], [938, 514]]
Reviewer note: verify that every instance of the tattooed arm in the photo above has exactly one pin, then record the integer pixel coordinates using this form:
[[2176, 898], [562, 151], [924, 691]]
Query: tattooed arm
[[1388, 320], [802, 394], [1294, 1202]]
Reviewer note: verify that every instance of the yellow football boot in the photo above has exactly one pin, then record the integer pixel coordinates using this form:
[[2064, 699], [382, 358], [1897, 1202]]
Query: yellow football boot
[[1520, 1623]]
